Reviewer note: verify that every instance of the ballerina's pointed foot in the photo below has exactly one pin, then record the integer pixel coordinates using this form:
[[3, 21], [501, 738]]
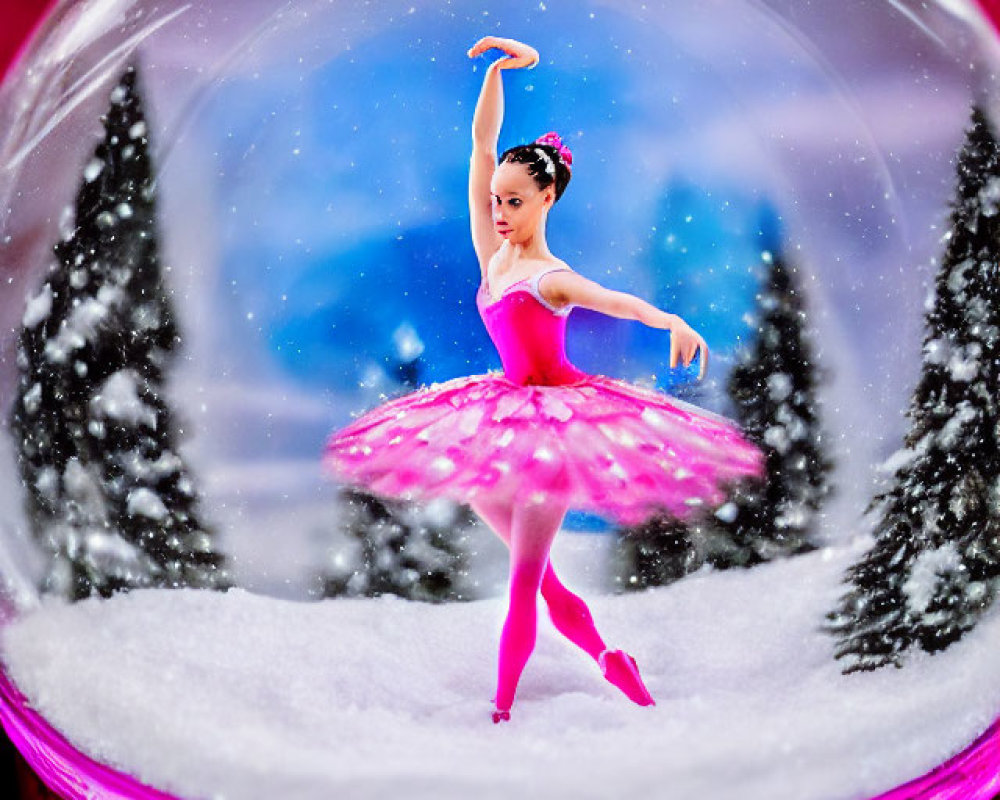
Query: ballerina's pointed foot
[[620, 669]]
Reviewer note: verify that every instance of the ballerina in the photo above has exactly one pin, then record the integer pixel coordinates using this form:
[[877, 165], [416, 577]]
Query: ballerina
[[524, 446]]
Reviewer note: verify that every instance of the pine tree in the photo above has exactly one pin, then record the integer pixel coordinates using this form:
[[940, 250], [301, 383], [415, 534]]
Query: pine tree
[[107, 494], [414, 550], [773, 388], [933, 569], [657, 552]]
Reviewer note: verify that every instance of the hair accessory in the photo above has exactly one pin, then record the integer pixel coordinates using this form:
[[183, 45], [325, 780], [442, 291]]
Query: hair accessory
[[550, 165], [553, 139]]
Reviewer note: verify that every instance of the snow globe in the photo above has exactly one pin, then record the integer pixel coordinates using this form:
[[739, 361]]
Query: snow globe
[[228, 228]]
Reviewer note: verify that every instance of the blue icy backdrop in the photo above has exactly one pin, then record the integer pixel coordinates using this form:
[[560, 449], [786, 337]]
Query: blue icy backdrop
[[344, 195]]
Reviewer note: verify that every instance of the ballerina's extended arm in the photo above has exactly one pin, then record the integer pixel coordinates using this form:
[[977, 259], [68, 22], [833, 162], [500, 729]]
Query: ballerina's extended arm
[[571, 287], [485, 134]]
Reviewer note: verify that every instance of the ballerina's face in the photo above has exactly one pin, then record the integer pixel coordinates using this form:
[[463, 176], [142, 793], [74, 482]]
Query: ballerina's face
[[518, 203]]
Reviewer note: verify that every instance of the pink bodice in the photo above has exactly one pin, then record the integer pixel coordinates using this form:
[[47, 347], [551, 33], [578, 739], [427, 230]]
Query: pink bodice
[[529, 333]]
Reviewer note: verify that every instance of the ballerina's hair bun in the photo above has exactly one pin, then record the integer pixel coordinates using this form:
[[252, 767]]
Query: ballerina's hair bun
[[548, 161]]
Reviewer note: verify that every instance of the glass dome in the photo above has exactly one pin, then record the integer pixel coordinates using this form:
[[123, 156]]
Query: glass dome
[[228, 229]]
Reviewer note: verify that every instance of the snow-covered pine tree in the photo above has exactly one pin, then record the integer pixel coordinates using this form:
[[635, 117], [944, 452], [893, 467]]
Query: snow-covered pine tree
[[934, 567], [418, 551], [106, 492], [773, 389], [657, 552]]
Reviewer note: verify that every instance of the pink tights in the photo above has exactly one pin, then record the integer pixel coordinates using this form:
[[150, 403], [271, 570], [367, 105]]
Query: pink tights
[[528, 530]]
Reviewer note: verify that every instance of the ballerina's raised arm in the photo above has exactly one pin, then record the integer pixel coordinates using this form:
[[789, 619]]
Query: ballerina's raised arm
[[485, 135]]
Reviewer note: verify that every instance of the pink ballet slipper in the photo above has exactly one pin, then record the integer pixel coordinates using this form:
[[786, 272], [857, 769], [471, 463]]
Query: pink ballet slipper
[[620, 669], [498, 714]]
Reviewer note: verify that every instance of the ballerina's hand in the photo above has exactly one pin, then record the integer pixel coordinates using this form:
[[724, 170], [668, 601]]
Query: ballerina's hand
[[684, 342], [520, 54]]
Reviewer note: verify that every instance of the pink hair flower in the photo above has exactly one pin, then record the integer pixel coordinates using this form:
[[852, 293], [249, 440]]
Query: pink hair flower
[[553, 139]]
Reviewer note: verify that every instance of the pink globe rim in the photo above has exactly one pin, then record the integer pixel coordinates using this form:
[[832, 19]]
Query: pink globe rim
[[41, 11], [973, 774], [63, 768]]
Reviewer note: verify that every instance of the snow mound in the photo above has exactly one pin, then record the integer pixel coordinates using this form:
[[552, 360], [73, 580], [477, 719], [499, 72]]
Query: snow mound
[[241, 695]]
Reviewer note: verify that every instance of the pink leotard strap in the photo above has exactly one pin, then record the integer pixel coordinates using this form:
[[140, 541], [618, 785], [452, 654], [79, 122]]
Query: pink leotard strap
[[533, 287]]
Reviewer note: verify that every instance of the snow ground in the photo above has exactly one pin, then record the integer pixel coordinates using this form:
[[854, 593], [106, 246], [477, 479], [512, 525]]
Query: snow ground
[[240, 695]]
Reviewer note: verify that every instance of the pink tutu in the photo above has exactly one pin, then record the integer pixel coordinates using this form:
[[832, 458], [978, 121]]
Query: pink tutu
[[544, 430]]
